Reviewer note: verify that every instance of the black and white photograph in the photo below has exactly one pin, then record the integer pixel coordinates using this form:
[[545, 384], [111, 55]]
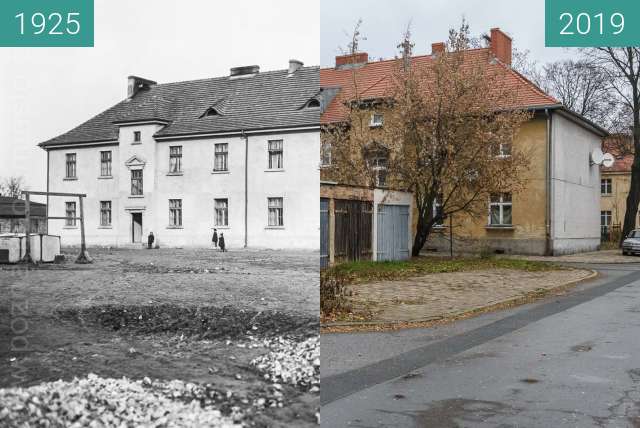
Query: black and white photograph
[[159, 220]]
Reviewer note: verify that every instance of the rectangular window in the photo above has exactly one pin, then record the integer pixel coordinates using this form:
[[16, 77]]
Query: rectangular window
[[377, 119], [222, 212], [605, 222], [379, 167], [220, 162], [136, 182], [70, 210], [325, 154], [275, 154], [275, 212], [175, 159], [137, 136], [105, 164], [500, 209], [606, 186], [71, 165], [175, 212], [105, 213], [437, 212]]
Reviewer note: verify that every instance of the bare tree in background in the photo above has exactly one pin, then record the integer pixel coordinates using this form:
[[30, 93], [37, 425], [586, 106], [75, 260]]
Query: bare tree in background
[[12, 187], [621, 68]]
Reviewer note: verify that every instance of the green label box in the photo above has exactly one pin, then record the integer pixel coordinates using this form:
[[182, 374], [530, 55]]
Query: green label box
[[46, 23], [592, 23]]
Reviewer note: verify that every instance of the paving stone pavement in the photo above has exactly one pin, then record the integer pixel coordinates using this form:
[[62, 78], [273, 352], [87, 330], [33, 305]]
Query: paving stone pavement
[[445, 294], [594, 257]]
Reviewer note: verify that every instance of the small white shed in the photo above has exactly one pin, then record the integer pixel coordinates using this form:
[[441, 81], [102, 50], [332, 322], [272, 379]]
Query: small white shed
[[44, 248]]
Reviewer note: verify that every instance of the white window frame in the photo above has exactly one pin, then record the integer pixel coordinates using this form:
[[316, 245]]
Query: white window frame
[[71, 165], [175, 159], [106, 163], [71, 213], [275, 205], [137, 137], [141, 181], [501, 203], [377, 120], [379, 164], [221, 151], [325, 154], [606, 186], [275, 151], [221, 213], [175, 212], [105, 209]]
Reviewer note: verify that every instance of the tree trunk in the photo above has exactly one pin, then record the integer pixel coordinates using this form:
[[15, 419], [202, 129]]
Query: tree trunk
[[633, 198], [423, 230]]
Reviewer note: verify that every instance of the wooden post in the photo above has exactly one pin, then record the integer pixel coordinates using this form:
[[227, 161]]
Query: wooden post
[[83, 257], [27, 228], [451, 235]]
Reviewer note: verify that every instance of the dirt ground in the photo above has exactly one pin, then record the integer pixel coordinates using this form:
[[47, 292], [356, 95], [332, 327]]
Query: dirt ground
[[164, 314]]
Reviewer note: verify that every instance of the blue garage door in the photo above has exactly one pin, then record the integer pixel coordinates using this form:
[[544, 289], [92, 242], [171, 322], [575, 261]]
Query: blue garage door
[[393, 232]]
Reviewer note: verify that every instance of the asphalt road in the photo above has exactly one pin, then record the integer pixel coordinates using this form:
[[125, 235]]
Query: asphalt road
[[572, 361]]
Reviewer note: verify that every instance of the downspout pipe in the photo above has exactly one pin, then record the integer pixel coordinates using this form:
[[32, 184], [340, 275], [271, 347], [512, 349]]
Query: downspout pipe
[[246, 187], [548, 184], [48, 190]]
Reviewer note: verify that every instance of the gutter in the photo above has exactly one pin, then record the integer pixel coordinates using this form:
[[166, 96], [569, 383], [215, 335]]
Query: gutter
[[246, 186], [548, 250], [47, 208]]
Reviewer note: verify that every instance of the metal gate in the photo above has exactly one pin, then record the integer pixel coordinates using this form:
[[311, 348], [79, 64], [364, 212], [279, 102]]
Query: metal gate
[[393, 232], [353, 230], [324, 233]]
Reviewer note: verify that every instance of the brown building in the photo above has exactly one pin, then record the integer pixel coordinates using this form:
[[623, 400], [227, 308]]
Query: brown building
[[12, 216], [555, 214]]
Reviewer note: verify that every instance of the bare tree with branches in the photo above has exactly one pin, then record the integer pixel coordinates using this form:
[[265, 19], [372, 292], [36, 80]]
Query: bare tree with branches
[[447, 136], [12, 187]]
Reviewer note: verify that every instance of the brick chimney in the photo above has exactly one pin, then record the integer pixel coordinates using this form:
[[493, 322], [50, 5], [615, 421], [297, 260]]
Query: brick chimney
[[437, 48], [500, 45], [352, 60], [136, 84]]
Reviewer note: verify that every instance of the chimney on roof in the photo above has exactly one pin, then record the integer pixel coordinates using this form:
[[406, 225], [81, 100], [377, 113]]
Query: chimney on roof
[[352, 60], [136, 84], [244, 71], [294, 65], [437, 48], [500, 45]]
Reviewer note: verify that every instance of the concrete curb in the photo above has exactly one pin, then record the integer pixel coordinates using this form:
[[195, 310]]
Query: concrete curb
[[493, 306]]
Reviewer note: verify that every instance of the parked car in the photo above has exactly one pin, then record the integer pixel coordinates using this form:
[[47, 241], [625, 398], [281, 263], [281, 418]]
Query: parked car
[[631, 245]]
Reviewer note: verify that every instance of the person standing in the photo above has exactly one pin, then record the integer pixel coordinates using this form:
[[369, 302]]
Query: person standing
[[150, 240], [221, 243], [215, 238]]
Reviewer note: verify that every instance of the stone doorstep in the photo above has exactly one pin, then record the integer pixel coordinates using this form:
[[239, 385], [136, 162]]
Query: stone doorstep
[[516, 300]]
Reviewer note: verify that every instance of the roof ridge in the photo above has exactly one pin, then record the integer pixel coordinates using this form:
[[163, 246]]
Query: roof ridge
[[206, 79]]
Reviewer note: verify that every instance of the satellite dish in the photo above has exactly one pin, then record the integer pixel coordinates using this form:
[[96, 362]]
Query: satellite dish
[[608, 160], [596, 156]]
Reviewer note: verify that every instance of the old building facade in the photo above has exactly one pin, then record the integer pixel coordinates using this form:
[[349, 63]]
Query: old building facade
[[556, 213], [13, 217], [236, 153]]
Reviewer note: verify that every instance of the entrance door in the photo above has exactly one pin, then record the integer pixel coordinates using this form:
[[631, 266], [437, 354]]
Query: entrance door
[[393, 232], [136, 227]]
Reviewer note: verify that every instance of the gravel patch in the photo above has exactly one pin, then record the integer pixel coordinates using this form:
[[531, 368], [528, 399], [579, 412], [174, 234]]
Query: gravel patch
[[291, 362], [97, 402]]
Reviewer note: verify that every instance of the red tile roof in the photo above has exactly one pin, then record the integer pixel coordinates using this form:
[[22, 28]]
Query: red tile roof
[[374, 80], [622, 161]]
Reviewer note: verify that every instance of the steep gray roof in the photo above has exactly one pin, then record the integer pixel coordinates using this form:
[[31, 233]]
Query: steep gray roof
[[264, 101]]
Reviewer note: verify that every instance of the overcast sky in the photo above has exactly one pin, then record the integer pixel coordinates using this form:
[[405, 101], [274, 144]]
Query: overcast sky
[[384, 22], [47, 91]]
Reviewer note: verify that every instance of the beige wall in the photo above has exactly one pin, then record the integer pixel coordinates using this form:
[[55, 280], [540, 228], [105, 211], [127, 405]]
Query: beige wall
[[616, 202]]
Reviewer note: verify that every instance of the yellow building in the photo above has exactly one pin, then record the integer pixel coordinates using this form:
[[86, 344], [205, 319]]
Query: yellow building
[[557, 211], [614, 187]]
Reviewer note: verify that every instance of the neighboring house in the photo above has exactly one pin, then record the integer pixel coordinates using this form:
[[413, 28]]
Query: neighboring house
[[615, 182], [236, 153], [555, 214], [13, 220]]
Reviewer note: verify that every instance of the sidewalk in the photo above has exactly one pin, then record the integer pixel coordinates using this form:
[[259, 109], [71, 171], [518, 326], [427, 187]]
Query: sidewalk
[[450, 295], [597, 257]]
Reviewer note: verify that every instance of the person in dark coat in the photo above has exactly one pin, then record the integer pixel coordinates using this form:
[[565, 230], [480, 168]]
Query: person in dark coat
[[215, 238], [150, 240], [221, 243]]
